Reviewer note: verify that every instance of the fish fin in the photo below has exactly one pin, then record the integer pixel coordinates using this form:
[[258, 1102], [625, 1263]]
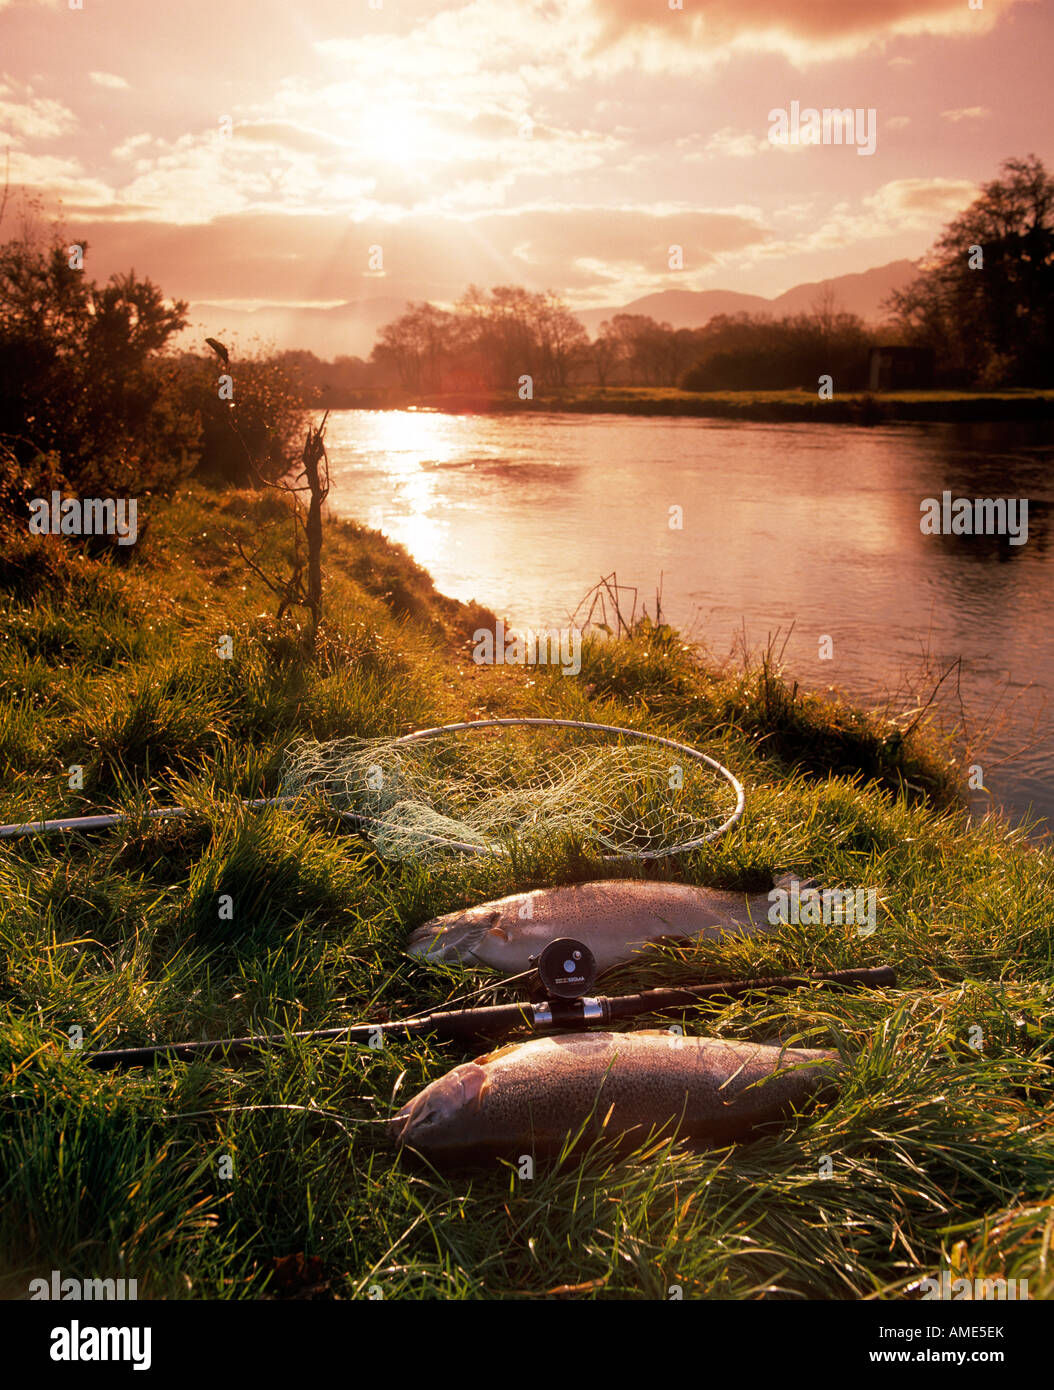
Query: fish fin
[[478, 1089], [788, 880], [498, 1052]]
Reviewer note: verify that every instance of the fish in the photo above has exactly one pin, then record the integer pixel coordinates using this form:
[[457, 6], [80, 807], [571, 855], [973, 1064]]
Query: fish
[[530, 1096], [613, 917]]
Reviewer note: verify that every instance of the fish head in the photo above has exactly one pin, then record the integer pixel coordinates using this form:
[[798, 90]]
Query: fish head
[[457, 937], [440, 1118]]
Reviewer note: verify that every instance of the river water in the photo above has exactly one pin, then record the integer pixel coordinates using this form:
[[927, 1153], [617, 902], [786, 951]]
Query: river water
[[795, 532]]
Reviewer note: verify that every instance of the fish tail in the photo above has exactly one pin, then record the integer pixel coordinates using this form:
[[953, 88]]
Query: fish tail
[[787, 881]]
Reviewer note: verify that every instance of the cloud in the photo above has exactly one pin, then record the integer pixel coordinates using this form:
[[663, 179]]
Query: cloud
[[288, 135], [63, 179], [734, 144], [902, 207], [128, 146], [570, 247], [30, 117], [108, 79], [805, 32], [202, 175], [382, 157], [272, 257], [919, 203], [966, 113]]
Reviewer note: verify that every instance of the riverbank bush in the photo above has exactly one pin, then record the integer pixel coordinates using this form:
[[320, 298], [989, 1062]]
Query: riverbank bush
[[93, 401]]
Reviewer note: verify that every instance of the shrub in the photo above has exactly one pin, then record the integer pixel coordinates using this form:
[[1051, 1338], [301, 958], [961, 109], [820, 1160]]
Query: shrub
[[256, 433], [83, 380]]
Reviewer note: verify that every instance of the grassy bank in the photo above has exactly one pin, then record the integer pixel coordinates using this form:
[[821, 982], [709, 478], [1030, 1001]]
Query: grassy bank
[[858, 408], [939, 1151]]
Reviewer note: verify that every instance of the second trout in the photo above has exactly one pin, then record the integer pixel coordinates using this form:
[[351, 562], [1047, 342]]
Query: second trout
[[529, 1097], [613, 917]]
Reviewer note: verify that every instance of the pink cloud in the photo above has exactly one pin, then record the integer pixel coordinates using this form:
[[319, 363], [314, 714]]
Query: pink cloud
[[809, 26]]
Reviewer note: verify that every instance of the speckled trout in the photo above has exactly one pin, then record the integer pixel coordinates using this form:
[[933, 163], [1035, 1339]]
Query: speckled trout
[[528, 1097], [613, 917]]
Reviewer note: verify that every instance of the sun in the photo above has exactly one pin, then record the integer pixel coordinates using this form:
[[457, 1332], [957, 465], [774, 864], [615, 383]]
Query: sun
[[396, 133]]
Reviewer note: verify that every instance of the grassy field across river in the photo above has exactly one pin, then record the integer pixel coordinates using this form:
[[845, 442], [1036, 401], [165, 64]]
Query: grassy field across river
[[858, 408], [271, 1178]]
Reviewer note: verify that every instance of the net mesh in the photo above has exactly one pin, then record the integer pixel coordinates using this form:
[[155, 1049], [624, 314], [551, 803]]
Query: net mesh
[[479, 789]]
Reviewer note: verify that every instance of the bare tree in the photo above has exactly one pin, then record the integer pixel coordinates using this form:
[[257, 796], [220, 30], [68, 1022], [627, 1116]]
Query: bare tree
[[825, 310], [563, 341], [418, 345], [307, 538], [313, 479], [606, 353]]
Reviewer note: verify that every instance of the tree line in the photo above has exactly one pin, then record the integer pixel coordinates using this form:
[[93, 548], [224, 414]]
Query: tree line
[[489, 341], [984, 296]]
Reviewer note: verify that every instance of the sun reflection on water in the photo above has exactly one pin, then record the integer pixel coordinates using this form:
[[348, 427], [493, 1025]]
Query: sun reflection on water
[[400, 451]]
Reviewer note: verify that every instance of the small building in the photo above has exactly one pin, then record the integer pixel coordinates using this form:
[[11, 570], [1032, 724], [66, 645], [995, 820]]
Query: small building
[[897, 368]]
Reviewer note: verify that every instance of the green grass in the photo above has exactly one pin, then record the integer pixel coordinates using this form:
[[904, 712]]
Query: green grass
[[939, 1152], [845, 407]]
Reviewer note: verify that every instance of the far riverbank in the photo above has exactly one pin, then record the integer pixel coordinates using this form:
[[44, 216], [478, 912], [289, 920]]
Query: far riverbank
[[792, 406]]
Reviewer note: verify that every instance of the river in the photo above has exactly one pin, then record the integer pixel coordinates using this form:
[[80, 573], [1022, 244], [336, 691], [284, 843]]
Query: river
[[798, 532]]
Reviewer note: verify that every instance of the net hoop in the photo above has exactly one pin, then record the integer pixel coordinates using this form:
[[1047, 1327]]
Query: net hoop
[[420, 735]]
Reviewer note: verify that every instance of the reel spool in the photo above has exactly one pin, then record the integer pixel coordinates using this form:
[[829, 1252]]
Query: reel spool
[[567, 969]]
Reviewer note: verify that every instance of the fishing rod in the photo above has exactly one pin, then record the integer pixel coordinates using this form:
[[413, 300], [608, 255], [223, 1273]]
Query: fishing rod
[[566, 970]]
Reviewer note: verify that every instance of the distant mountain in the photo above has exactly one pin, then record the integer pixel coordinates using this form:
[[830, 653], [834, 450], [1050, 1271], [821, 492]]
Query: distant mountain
[[350, 329], [681, 308], [861, 294]]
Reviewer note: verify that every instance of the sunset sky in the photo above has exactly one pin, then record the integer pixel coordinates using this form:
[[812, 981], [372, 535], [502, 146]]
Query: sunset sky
[[561, 145]]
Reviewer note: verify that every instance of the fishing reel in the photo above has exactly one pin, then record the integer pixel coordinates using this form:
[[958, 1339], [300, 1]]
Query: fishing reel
[[566, 969]]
